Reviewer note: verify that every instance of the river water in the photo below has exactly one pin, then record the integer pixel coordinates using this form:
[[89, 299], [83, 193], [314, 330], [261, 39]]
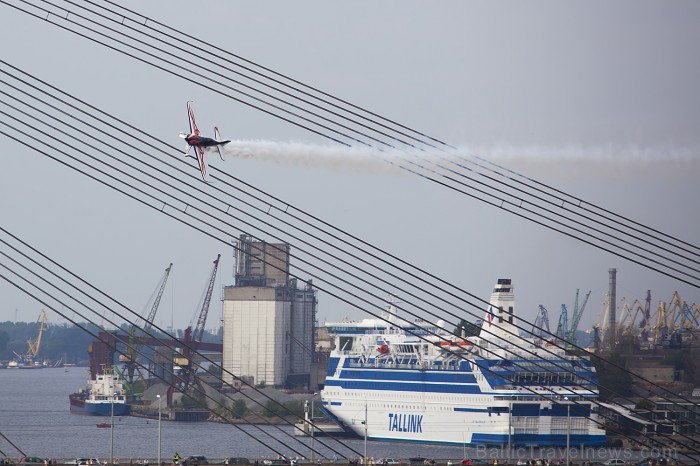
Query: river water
[[35, 416]]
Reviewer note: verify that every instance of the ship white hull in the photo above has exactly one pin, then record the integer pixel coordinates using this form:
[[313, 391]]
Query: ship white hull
[[449, 417], [438, 423], [419, 383]]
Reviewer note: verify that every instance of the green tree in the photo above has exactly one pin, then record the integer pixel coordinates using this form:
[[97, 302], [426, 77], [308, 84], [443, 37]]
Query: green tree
[[273, 409], [239, 409], [645, 404], [4, 338], [293, 408], [196, 399], [215, 370]]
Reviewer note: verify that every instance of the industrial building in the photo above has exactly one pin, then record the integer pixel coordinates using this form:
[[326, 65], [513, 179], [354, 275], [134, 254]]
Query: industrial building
[[269, 319]]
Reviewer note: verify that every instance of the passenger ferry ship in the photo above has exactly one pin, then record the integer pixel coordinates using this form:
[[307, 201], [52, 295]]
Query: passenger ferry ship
[[403, 382]]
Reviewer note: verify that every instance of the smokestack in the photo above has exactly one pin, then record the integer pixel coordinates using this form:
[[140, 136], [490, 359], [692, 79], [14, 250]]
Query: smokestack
[[612, 331]]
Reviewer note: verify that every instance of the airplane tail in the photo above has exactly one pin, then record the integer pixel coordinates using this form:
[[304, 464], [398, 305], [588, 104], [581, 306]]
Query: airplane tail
[[217, 136]]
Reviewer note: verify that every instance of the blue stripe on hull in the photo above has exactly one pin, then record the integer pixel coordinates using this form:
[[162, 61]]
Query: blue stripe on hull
[[517, 440], [413, 376], [101, 409], [404, 387], [550, 440]]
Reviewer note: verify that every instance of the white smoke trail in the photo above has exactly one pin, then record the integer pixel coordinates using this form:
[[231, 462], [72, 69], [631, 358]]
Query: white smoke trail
[[594, 162], [353, 159], [563, 162]]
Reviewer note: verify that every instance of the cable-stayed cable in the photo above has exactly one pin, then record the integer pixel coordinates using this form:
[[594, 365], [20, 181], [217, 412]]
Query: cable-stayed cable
[[150, 137], [20, 264], [70, 295], [518, 203], [145, 23]]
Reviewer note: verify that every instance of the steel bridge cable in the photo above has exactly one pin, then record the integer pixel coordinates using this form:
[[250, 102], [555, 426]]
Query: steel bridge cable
[[137, 316], [573, 401], [637, 254], [581, 224], [433, 314], [125, 342], [13, 445], [70, 14], [220, 58], [247, 86], [653, 268], [180, 76], [72, 167], [574, 201], [143, 328], [585, 225], [93, 311]]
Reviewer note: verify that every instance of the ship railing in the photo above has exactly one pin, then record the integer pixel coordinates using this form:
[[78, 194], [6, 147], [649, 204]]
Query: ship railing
[[402, 365]]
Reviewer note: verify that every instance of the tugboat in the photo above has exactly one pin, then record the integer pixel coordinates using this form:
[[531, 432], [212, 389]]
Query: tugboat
[[103, 396]]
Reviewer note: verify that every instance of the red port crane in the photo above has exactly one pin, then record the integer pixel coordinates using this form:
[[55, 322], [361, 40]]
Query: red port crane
[[187, 376]]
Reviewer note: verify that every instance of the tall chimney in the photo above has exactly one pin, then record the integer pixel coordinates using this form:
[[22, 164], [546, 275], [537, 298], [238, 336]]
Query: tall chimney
[[612, 331]]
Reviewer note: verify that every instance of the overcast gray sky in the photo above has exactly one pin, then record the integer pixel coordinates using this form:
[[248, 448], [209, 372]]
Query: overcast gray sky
[[600, 100]]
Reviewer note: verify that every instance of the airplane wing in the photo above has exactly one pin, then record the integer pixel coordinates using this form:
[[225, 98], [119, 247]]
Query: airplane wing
[[202, 162], [193, 124]]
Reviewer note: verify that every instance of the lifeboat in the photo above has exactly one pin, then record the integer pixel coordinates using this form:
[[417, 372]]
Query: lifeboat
[[383, 348], [460, 343]]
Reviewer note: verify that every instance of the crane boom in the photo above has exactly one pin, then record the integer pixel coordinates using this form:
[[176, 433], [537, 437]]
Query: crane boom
[[152, 315], [188, 369], [131, 370], [576, 318], [34, 345], [541, 322], [202, 320]]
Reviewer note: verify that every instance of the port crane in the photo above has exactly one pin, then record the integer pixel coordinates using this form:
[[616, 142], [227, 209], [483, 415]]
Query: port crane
[[188, 368], [566, 331], [563, 325], [576, 318], [541, 323], [34, 345], [131, 372], [635, 319]]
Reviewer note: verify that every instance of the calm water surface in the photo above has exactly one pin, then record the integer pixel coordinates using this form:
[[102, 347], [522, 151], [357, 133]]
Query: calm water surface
[[35, 416]]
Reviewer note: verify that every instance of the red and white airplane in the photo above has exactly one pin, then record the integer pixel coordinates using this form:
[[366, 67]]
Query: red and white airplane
[[200, 143]]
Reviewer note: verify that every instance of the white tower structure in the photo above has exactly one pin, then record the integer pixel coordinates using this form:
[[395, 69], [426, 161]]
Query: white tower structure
[[268, 321], [499, 321]]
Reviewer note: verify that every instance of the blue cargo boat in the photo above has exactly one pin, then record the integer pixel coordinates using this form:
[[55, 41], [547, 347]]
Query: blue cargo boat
[[103, 396]]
